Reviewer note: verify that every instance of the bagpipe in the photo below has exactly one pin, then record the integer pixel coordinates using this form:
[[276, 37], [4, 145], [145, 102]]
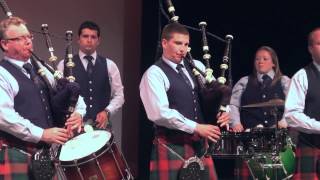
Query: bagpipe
[[63, 97], [214, 94], [65, 91]]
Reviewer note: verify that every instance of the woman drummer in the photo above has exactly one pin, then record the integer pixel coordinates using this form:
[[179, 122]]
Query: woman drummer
[[263, 86]]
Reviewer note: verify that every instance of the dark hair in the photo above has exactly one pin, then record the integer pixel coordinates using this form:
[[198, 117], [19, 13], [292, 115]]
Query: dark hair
[[90, 25], [275, 60], [171, 28]]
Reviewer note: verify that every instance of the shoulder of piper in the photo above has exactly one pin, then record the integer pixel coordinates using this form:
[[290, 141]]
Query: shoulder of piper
[[199, 64], [111, 63], [153, 70], [5, 75], [300, 73]]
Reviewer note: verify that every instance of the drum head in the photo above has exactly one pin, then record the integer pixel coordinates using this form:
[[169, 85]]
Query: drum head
[[84, 145]]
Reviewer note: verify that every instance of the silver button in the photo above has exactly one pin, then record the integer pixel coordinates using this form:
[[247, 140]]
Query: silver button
[[90, 82], [264, 96], [265, 122], [41, 92], [90, 98], [265, 113], [196, 118], [90, 89], [48, 117], [90, 106], [43, 100]]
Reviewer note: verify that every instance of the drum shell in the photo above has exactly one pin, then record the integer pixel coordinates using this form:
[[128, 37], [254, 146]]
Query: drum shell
[[109, 158], [264, 167], [232, 144], [265, 140]]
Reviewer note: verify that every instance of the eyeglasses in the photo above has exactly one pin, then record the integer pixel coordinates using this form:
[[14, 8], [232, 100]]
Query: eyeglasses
[[21, 38]]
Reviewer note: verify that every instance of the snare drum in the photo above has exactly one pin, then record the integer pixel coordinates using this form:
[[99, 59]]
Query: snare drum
[[232, 144], [268, 166], [267, 140], [93, 155]]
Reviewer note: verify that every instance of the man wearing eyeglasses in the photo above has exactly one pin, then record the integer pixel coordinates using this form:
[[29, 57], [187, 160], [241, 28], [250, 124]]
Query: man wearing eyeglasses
[[26, 123]]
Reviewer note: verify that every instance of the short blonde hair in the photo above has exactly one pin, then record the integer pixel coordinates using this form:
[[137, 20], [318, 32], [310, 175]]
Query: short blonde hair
[[4, 24]]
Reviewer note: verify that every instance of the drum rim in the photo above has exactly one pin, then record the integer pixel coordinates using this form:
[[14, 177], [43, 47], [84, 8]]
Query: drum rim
[[90, 157], [262, 136]]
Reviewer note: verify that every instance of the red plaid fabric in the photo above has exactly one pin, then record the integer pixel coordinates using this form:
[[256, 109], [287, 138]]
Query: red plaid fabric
[[13, 164], [307, 163], [165, 165], [15, 159], [241, 170], [12, 141]]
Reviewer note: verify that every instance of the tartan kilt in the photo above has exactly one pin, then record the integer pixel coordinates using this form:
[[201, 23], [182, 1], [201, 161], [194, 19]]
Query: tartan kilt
[[242, 170], [307, 163], [13, 164], [164, 165]]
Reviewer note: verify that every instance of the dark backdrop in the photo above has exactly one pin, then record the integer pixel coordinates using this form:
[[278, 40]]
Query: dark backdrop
[[283, 25]]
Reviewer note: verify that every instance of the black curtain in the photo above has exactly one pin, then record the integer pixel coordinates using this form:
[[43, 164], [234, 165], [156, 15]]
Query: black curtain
[[283, 25]]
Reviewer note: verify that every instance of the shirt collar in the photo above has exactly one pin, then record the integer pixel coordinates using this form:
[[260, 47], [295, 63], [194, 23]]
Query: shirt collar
[[82, 54], [172, 64], [16, 62], [270, 74]]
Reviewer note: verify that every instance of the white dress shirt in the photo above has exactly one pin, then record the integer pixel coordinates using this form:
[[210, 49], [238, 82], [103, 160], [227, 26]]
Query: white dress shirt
[[10, 121], [116, 96], [295, 103], [153, 92]]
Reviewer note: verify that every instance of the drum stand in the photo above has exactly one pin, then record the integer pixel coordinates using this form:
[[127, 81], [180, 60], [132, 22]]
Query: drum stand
[[275, 163], [275, 167], [274, 113]]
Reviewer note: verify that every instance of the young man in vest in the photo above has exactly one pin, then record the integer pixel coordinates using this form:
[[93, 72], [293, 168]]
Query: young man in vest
[[99, 77], [169, 94]]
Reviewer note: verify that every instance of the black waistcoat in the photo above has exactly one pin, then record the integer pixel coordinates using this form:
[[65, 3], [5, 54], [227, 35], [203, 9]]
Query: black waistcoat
[[180, 95], [95, 90], [31, 102], [251, 117], [312, 103]]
